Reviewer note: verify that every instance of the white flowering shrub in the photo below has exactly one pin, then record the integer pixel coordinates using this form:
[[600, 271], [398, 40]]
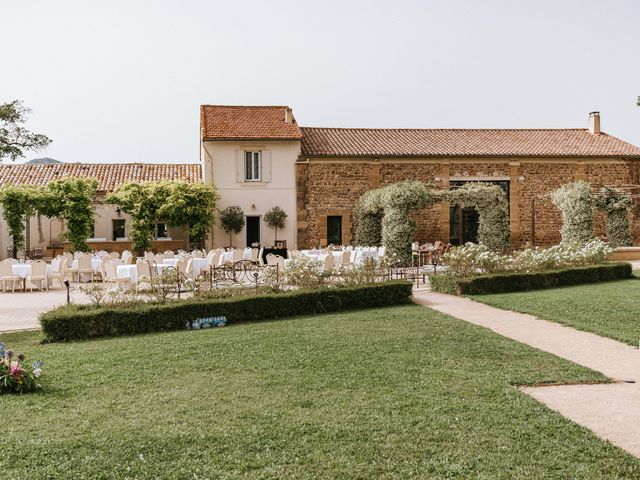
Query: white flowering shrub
[[576, 202], [617, 205], [492, 206], [305, 272], [472, 259]]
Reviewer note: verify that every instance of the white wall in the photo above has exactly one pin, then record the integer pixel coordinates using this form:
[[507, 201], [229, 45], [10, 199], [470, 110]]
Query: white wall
[[221, 160]]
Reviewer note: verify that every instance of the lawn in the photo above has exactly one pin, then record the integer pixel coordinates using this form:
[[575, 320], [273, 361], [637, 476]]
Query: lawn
[[400, 392], [609, 309]]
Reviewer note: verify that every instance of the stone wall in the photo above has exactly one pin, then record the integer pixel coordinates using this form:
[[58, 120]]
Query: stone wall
[[330, 186]]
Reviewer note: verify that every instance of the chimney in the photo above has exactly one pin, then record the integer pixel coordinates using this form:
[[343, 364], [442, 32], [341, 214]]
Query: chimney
[[288, 115], [594, 123]]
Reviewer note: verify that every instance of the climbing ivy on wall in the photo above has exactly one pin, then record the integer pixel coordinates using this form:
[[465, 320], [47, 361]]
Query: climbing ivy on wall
[[576, 203], [19, 202], [383, 214], [492, 206], [369, 212], [70, 199], [617, 205], [383, 217]]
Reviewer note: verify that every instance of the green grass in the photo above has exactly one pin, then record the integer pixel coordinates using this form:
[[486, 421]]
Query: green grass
[[402, 392], [611, 309]]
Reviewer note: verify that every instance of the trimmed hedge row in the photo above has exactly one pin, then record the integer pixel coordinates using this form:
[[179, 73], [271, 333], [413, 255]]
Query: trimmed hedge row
[[80, 322], [519, 282]]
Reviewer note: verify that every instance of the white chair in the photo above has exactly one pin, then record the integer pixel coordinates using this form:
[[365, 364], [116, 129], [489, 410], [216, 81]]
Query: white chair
[[345, 258], [261, 256], [253, 257], [294, 253], [159, 258], [38, 274], [237, 255], [111, 276], [213, 259], [382, 251], [126, 257], [69, 257], [143, 272], [197, 254], [84, 266], [59, 271], [168, 254], [7, 275], [327, 262]]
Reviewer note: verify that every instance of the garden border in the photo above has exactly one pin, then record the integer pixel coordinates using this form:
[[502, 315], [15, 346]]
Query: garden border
[[81, 322], [520, 282]]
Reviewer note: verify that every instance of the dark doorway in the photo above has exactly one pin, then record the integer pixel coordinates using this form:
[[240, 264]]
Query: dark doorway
[[463, 222], [117, 229], [334, 230], [253, 231]]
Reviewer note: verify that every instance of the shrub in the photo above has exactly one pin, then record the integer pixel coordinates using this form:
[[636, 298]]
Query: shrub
[[15, 376], [232, 221], [576, 202], [276, 218], [472, 259], [517, 282], [616, 204], [79, 322], [492, 206]]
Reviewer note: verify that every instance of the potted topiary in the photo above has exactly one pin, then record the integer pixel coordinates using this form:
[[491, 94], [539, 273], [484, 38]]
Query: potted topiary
[[232, 221], [276, 218]]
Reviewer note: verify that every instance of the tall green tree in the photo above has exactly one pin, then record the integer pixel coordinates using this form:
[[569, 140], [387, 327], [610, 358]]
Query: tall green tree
[[141, 201], [72, 200], [14, 138], [191, 204], [232, 221], [19, 203], [276, 218]]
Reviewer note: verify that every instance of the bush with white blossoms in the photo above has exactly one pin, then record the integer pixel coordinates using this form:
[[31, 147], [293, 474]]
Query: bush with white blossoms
[[472, 259], [305, 272], [15, 375]]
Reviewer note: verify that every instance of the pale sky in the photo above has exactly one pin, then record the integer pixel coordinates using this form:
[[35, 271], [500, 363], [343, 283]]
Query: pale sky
[[122, 80]]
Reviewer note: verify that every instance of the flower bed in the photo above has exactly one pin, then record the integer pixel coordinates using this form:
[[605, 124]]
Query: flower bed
[[79, 322], [15, 376], [517, 282], [472, 259]]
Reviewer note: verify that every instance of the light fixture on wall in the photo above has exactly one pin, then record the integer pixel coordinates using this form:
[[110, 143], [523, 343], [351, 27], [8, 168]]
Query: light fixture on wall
[[253, 206], [118, 211]]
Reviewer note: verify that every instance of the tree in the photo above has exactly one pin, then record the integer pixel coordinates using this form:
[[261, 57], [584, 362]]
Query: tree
[[72, 200], [232, 221], [141, 201], [19, 203], [191, 204], [15, 139], [576, 203], [276, 218]]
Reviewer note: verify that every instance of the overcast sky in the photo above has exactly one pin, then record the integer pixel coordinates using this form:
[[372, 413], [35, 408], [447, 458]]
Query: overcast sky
[[122, 81]]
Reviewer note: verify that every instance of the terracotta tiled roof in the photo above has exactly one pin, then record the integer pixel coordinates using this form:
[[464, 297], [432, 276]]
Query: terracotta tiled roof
[[245, 122], [462, 142], [109, 175]]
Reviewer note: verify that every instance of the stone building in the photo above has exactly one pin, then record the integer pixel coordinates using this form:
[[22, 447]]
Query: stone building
[[326, 170], [111, 226]]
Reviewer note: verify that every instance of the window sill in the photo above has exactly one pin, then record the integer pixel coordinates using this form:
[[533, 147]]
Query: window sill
[[253, 184]]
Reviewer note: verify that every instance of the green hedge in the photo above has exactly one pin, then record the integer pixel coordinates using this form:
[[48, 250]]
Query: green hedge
[[518, 282], [79, 322]]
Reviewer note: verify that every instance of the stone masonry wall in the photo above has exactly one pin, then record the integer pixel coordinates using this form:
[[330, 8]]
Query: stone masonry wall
[[328, 187]]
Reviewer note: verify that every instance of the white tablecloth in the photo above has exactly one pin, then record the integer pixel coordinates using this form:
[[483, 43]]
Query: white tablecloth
[[170, 261], [246, 255], [200, 265], [23, 270], [124, 271]]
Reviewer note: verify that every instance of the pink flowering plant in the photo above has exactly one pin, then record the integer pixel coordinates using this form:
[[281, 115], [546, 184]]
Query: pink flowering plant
[[15, 375]]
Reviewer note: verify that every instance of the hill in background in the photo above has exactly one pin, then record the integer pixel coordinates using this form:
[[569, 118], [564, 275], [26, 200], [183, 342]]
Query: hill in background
[[38, 161]]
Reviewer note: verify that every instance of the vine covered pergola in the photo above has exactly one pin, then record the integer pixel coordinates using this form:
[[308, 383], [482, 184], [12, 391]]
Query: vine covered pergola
[[384, 214]]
